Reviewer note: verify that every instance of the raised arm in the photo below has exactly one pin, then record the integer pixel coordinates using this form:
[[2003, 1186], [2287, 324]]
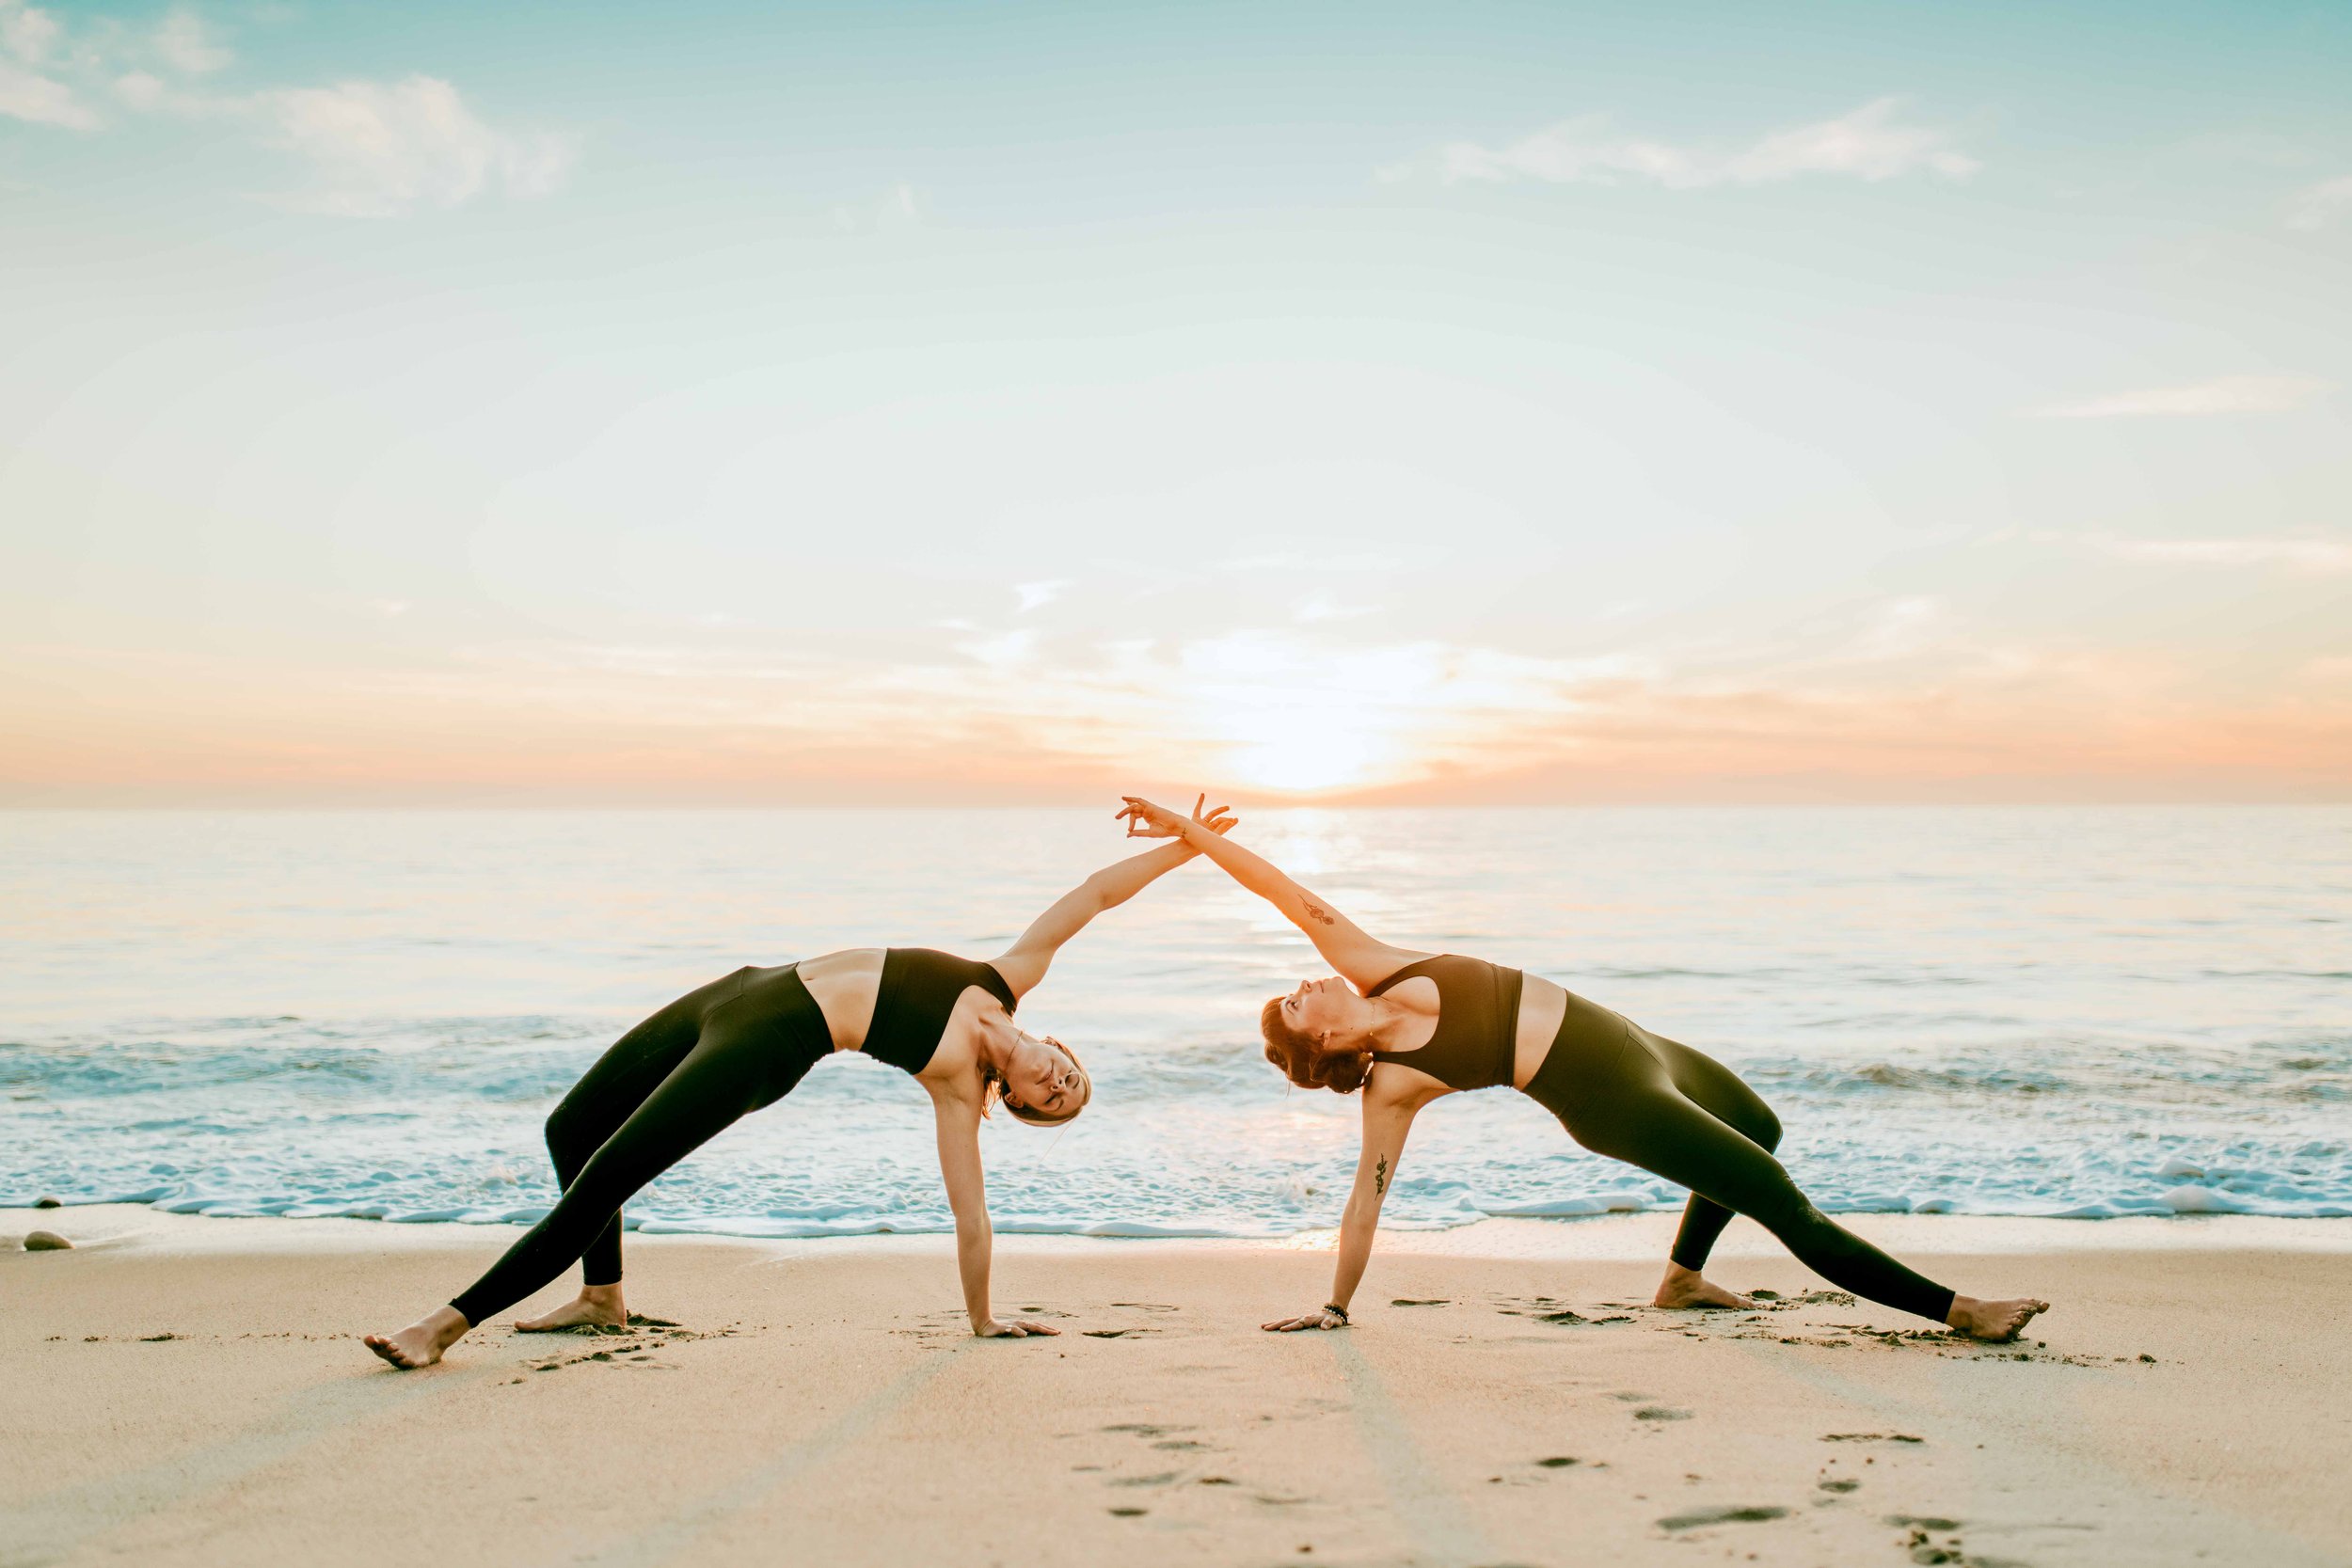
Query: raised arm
[[1361, 959], [1388, 1121], [1024, 965], [967, 1197]]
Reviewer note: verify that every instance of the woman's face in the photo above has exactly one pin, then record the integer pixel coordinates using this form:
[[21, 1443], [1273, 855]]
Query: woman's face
[[1039, 1076], [1326, 1008]]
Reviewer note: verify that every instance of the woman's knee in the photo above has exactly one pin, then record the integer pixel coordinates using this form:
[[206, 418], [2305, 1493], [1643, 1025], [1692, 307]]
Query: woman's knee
[[569, 1137]]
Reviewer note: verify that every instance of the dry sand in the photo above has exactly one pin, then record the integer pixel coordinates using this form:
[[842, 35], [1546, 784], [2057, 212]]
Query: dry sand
[[193, 1391]]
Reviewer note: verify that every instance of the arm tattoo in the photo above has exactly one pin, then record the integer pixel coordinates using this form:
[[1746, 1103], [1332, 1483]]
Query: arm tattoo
[[1380, 1177], [1318, 912]]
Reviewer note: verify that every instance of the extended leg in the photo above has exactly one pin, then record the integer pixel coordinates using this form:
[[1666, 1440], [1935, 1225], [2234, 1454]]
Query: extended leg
[[1652, 1124], [719, 1080], [610, 1092]]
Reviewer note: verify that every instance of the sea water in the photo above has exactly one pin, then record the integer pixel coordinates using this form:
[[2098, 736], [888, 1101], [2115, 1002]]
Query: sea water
[[2051, 1011]]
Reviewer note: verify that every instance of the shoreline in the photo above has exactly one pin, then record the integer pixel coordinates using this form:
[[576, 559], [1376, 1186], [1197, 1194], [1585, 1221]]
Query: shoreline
[[1613, 1238]]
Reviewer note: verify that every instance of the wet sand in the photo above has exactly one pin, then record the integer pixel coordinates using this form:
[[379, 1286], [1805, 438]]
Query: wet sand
[[194, 1391]]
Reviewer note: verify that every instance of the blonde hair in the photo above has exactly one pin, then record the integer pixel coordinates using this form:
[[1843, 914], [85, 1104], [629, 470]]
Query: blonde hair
[[993, 1092]]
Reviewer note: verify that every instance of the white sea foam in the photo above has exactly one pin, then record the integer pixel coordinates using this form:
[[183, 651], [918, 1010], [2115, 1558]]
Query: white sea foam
[[2086, 1014]]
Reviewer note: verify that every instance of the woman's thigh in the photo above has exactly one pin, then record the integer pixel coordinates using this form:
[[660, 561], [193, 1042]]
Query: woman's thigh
[[1716, 1089], [636, 1064], [1642, 1117]]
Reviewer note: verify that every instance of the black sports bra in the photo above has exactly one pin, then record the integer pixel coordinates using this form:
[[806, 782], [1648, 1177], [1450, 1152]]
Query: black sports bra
[[1475, 1045], [920, 987]]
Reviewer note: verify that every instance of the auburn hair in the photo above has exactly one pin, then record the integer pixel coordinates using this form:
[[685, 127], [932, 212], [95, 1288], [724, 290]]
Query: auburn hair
[[1309, 1063]]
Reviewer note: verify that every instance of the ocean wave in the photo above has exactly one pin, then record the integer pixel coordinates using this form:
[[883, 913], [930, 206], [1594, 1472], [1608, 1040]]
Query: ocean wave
[[1951, 1012]]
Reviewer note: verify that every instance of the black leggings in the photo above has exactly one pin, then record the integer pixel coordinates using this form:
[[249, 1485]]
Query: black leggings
[[665, 1088], [1653, 1102]]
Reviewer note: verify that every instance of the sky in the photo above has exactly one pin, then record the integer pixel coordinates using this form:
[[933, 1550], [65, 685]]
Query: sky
[[731, 404]]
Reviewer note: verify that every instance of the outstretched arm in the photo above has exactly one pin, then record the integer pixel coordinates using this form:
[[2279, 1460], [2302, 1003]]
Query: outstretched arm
[[1361, 959], [1024, 965], [1388, 1121], [967, 1196]]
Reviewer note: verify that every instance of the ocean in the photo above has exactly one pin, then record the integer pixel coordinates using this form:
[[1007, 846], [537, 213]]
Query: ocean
[[2082, 1012]]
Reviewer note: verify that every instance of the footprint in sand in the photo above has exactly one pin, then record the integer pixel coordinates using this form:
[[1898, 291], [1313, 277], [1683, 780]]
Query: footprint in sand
[[1559, 1461], [1142, 1429], [1661, 1412], [1160, 1480], [1421, 1301], [1699, 1518], [1129, 1512], [1870, 1437], [1840, 1484], [1925, 1550], [1114, 1333]]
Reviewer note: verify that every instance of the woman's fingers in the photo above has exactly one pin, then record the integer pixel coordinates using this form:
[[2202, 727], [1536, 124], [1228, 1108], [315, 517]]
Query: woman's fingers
[[1028, 1327]]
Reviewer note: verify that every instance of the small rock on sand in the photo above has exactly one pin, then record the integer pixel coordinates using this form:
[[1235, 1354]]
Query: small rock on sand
[[48, 1203], [47, 1240]]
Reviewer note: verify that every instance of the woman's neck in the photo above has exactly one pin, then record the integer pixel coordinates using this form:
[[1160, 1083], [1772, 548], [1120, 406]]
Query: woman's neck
[[1392, 1021], [996, 1036]]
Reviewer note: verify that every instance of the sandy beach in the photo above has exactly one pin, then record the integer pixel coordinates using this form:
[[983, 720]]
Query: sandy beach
[[192, 1391]]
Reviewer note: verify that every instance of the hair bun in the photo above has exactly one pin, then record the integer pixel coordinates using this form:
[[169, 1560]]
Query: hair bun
[[1307, 1062], [1343, 1071]]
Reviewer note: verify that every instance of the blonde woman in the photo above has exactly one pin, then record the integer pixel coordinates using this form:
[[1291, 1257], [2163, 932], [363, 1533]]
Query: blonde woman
[[742, 1043]]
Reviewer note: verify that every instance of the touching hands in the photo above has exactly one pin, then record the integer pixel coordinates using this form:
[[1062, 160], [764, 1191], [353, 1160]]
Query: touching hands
[[1019, 1328], [1146, 820], [1322, 1317]]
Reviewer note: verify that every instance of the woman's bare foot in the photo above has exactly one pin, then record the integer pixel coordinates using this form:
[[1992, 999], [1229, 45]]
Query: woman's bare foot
[[597, 1305], [1689, 1288], [422, 1342], [1995, 1320]]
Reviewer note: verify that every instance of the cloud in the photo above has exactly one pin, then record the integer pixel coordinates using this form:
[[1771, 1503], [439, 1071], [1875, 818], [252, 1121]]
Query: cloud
[[187, 47], [26, 33], [2316, 206], [1322, 607], [2227, 394], [1898, 627], [1036, 593], [30, 96], [382, 148], [1868, 144], [374, 148], [896, 209], [2310, 555], [27, 36]]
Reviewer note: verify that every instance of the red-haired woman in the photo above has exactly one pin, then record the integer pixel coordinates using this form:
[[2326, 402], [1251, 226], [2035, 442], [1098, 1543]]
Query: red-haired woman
[[1406, 1027]]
